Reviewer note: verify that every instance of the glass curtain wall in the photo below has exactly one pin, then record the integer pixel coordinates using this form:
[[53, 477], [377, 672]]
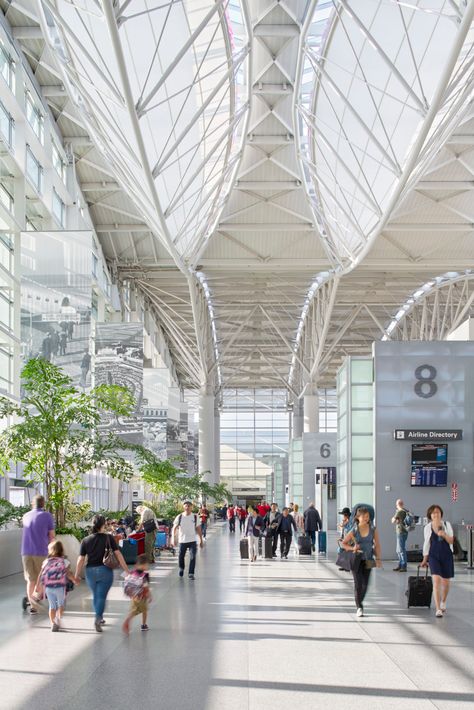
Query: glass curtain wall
[[254, 430], [355, 456]]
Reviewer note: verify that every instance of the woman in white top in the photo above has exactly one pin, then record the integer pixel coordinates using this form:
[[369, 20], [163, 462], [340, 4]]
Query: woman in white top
[[438, 553], [298, 518]]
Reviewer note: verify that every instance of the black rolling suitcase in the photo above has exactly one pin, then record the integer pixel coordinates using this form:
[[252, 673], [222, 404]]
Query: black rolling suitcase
[[129, 551], [268, 547], [244, 548], [304, 545], [419, 590]]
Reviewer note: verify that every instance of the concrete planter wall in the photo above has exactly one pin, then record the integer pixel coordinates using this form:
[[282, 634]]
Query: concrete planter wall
[[10, 552], [72, 547]]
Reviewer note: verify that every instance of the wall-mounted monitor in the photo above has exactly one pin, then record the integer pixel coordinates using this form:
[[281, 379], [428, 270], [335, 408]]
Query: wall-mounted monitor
[[429, 465]]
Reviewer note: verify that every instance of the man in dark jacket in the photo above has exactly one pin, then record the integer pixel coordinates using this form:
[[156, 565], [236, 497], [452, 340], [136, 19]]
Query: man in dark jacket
[[284, 529], [272, 519], [312, 522]]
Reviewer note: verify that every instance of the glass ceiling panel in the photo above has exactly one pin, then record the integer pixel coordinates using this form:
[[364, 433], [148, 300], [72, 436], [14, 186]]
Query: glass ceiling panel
[[163, 88], [380, 82]]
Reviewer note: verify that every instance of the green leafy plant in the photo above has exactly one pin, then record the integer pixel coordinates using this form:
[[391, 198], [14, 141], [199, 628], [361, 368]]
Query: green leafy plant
[[78, 533], [10, 513], [57, 439], [162, 477]]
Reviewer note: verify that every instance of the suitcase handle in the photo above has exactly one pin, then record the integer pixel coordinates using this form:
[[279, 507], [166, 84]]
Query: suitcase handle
[[418, 571]]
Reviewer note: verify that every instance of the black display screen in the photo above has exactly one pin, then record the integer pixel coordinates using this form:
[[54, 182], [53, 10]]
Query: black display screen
[[429, 465]]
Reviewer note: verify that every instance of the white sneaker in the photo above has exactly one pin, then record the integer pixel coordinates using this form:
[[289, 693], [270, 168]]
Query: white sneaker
[[442, 606], [439, 613], [360, 612]]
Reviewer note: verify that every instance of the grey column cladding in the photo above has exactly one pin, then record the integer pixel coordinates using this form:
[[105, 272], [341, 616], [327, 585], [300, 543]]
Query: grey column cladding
[[422, 385]]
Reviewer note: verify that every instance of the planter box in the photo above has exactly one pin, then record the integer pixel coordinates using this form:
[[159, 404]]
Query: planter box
[[10, 552], [72, 548]]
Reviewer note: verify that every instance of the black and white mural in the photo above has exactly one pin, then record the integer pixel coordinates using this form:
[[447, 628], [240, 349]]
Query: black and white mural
[[56, 301], [119, 361]]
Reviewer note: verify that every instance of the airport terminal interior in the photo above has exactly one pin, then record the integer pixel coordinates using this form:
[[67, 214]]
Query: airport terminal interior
[[236, 270]]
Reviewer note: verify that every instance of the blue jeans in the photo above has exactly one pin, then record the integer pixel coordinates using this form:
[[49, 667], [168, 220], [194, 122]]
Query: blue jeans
[[312, 534], [99, 580], [183, 548], [402, 549]]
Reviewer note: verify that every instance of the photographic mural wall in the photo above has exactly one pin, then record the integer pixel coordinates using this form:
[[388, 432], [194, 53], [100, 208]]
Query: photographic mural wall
[[155, 410], [119, 361], [56, 300]]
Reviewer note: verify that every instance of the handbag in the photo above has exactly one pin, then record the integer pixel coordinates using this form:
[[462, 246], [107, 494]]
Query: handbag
[[348, 560], [110, 559], [344, 558], [370, 564]]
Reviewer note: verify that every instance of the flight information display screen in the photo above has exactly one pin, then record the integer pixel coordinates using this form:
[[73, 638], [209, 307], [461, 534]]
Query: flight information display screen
[[429, 465]]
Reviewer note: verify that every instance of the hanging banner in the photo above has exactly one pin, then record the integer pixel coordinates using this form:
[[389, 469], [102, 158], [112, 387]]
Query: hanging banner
[[56, 301], [119, 361]]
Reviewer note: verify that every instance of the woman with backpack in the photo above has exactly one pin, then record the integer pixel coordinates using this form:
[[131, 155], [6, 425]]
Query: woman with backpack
[[363, 541], [55, 571], [103, 556]]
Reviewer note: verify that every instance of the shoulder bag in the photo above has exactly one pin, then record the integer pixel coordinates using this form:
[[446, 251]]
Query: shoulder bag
[[110, 559]]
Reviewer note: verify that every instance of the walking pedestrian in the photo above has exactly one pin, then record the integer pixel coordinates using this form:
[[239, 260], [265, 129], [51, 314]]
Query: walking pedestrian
[[185, 530], [271, 524], [297, 517], [344, 526], [401, 532], [438, 554], [312, 523], [97, 547], [254, 525], [137, 587], [38, 532], [203, 517], [55, 571], [231, 518], [241, 514], [363, 541], [284, 529]]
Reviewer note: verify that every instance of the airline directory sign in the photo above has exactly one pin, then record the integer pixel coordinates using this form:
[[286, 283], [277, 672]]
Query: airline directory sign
[[427, 434]]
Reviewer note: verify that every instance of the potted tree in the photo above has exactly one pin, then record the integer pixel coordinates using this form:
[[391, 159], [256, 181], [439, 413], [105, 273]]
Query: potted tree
[[55, 437]]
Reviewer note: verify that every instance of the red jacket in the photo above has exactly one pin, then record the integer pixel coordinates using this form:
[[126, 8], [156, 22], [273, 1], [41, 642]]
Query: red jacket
[[230, 513]]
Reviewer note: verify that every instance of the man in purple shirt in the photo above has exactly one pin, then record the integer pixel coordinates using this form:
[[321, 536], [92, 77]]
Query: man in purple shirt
[[38, 531]]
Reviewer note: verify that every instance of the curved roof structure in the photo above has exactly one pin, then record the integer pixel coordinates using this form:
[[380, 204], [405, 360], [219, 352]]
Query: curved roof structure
[[276, 178]]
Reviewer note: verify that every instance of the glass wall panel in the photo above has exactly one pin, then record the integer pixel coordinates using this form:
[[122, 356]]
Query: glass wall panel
[[363, 493], [362, 371], [362, 421], [362, 447], [254, 430], [362, 471], [362, 396]]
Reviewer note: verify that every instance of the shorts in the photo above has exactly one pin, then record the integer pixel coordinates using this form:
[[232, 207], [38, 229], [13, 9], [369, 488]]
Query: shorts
[[138, 606], [32, 566], [55, 596]]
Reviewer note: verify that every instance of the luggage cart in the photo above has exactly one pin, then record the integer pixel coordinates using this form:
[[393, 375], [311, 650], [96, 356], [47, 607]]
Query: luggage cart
[[163, 540]]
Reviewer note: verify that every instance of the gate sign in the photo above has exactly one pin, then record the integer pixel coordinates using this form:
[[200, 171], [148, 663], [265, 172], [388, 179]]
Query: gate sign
[[325, 448], [454, 491]]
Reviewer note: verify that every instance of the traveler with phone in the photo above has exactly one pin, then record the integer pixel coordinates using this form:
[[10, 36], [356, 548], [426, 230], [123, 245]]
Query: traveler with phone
[[438, 554], [363, 541]]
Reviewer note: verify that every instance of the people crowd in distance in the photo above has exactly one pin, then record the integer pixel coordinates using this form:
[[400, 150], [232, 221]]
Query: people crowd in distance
[[48, 573]]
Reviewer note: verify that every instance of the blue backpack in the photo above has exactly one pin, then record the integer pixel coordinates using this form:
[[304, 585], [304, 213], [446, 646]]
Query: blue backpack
[[409, 521]]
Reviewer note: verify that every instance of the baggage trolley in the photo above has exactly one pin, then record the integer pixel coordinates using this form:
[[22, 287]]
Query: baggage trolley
[[163, 540]]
